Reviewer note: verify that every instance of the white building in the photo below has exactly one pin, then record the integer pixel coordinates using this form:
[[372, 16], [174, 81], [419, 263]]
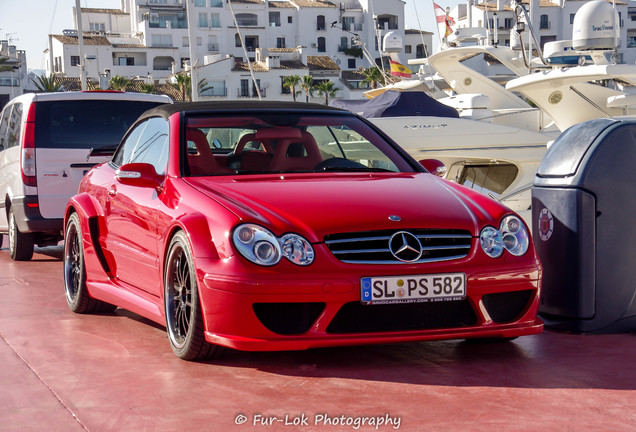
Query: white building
[[14, 80], [552, 21], [150, 39]]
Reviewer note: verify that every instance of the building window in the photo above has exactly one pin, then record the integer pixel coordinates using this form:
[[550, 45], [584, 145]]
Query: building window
[[283, 89], [274, 19], [322, 44], [348, 23], [75, 60], [289, 20], [97, 27], [199, 3], [351, 63], [251, 43], [388, 22], [216, 3], [215, 20], [407, 49], [237, 41], [572, 18], [203, 20], [245, 88], [161, 40], [544, 23], [185, 42], [344, 44], [280, 42], [509, 23], [419, 51], [213, 43], [247, 19], [320, 22], [126, 61]]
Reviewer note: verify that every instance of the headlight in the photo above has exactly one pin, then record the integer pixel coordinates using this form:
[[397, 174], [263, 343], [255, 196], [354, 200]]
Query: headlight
[[297, 249], [491, 242], [260, 246], [257, 244], [512, 236]]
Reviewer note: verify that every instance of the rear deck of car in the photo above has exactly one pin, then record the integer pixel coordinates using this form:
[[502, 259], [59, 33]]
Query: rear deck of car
[[63, 372]]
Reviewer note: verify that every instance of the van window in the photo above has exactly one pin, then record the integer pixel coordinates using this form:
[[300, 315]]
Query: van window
[[85, 124], [4, 126], [10, 126]]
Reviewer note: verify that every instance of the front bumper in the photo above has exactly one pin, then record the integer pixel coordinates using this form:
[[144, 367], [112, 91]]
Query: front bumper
[[265, 312]]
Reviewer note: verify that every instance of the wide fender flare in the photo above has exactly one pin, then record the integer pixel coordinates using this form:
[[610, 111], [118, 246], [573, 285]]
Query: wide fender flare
[[206, 242], [86, 207]]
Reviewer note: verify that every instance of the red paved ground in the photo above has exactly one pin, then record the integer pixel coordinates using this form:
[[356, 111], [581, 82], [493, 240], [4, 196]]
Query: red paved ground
[[65, 372]]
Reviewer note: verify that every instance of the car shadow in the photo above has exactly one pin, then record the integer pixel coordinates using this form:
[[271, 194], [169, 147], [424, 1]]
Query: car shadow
[[548, 360]]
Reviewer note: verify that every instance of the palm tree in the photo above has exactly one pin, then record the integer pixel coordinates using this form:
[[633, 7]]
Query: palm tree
[[372, 76], [183, 85], [203, 86], [291, 82], [47, 84], [146, 87], [307, 84], [327, 88], [119, 83]]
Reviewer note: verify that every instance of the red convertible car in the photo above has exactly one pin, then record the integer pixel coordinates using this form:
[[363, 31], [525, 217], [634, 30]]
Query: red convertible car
[[286, 226]]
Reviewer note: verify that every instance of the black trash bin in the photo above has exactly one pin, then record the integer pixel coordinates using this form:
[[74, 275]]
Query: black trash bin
[[584, 228]]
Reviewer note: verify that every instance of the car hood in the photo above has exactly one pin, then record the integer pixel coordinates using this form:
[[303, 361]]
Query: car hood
[[315, 205]]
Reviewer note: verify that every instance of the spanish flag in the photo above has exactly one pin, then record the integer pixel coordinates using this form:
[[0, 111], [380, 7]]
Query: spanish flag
[[400, 70]]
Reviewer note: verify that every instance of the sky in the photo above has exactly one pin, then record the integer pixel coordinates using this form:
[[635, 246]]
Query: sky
[[27, 23]]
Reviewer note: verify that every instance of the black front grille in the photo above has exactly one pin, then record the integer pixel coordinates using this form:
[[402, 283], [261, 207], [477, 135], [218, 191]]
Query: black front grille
[[355, 317], [372, 247], [288, 318], [507, 306]]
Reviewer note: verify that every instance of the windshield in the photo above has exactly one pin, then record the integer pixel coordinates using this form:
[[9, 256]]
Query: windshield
[[280, 143]]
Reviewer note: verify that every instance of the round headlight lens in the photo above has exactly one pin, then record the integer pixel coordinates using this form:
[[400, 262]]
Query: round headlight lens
[[491, 242], [260, 246], [257, 244], [515, 236], [296, 249]]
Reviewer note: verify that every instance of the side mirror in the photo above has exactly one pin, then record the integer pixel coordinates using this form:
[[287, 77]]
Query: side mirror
[[140, 175], [434, 166]]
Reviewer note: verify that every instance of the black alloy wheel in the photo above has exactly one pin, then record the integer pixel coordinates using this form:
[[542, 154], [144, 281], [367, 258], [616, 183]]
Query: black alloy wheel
[[77, 297], [184, 320]]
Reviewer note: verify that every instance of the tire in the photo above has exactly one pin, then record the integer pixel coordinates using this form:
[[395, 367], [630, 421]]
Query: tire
[[184, 319], [20, 244], [77, 297]]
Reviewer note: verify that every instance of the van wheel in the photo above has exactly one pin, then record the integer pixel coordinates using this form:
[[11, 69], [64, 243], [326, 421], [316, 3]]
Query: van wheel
[[20, 244]]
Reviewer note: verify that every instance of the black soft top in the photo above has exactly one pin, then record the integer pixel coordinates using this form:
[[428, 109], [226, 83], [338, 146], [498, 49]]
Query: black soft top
[[167, 110]]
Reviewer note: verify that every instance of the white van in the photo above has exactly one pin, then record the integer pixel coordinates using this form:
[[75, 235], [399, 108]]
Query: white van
[[48, 141]]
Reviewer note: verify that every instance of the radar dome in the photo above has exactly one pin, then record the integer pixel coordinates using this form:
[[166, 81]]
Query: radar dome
[[392, 42], [595, 26]]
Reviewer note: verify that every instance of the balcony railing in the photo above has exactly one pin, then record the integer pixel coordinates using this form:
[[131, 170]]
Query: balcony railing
[[213, 47]]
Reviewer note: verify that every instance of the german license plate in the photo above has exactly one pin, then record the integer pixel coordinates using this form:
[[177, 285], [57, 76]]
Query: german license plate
[[413, 289]]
